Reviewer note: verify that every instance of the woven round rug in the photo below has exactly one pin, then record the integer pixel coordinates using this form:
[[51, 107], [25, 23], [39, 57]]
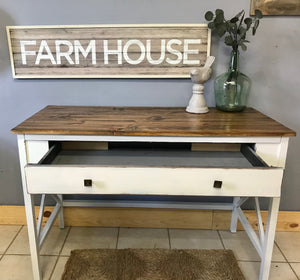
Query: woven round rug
[[152, 264]]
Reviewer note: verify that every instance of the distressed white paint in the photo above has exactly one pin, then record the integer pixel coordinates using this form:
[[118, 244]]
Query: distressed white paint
[[78, 48], [30, 214], [173, 139], [153, 180], [35, 150], [254, 182], [187, 51], [24, 52], [122, 52], [267, 248], [48, 56], [273, 154]]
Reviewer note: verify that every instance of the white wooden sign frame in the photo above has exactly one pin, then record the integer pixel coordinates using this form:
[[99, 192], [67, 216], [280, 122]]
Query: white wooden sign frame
[[71, 51]]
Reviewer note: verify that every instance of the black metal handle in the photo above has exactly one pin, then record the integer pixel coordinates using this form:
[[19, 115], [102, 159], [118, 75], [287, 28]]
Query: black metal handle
[[88, 182], [218, 184]]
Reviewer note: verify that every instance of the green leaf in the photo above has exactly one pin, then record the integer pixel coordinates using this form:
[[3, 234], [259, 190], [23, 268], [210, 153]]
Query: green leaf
[[221, 29], [243, 46], [256, 23], [234, 20], [211, 25], [258, 14], [248, 22], [240, 13], [242, 19], [219, 19], [209, 16], [219, 12], [228, 40], [241, 31], [233, 27]]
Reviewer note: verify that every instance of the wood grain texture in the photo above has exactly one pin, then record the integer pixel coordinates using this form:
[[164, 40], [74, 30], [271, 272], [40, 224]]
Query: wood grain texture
[[149, 121], [153, 218], [106, 37]]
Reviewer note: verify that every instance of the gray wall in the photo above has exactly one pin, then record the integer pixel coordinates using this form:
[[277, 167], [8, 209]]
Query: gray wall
[[271, 62]]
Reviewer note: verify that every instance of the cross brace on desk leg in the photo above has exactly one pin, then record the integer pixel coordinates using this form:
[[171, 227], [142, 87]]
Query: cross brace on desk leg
[[264, 244], [237, 202]]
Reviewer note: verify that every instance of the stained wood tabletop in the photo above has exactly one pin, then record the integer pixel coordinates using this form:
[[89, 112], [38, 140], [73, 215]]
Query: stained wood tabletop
[[149, 121]]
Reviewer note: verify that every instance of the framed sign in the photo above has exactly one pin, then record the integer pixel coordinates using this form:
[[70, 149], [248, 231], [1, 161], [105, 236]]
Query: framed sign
[[108, 51], [276, 7]]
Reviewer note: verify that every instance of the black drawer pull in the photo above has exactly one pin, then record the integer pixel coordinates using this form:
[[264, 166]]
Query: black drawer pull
[[88, 182], [218, 184]]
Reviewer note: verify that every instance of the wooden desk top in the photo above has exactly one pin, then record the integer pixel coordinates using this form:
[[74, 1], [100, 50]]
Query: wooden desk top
[[149, 121]]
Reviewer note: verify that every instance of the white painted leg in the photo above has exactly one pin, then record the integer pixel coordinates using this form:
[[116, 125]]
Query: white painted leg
[[259, 221], [234, 215], [30, 214], [32, 235], [269, 239], [61, 219]]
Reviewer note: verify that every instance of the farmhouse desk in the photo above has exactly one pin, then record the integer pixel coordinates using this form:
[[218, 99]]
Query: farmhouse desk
[[135, 160]]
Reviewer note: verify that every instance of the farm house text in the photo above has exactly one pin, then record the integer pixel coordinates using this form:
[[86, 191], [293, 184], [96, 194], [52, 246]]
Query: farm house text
[[134, 52]]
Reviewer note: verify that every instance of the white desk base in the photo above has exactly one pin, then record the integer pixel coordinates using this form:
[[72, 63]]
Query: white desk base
[[272, 149]]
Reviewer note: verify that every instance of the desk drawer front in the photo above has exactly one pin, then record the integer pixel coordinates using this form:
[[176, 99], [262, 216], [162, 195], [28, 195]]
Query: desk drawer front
[[155, 171], [154, 180]]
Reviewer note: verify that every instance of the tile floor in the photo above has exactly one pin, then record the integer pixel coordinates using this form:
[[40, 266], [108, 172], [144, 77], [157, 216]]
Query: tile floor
[[15, 260]]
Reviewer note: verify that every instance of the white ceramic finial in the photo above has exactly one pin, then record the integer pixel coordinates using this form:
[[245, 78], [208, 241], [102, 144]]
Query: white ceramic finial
[[199, 76]]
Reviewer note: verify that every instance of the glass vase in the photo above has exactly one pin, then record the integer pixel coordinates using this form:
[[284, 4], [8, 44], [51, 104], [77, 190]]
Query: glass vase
[[232, 88]]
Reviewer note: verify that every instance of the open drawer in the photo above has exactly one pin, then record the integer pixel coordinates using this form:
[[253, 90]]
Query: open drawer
[[155, 172]]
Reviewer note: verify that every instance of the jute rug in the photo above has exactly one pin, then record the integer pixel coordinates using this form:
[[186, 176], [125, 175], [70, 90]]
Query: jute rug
[[152, 264]]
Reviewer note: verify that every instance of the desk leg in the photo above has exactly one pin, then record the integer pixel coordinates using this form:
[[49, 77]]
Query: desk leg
[[33, 240], [30, 214], [267, 246], [234, 215], [61, 219]]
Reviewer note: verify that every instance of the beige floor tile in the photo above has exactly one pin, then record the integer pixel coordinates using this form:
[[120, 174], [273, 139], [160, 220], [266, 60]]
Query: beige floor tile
[[195, 239], [242, 247], [7, 234], [296, 267], [289, 243], [16, 267], [143, 238], [52, 245], [278, 271], [59, 268], [90, 238]]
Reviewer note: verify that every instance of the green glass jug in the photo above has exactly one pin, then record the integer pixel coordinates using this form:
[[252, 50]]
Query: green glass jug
[[232, 88]]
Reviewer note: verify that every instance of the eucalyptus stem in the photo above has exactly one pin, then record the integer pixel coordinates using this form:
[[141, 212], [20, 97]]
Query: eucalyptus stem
[[236, 28]]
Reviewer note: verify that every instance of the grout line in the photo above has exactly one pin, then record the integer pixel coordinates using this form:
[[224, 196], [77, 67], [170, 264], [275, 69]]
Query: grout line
[[15, 237], [118, 235], [18, 254], [67, 235], [170, 247], [294, 271], [56, 261], [220, 237], [253, 261], [59, 254], [64, 256], [286, 259]]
